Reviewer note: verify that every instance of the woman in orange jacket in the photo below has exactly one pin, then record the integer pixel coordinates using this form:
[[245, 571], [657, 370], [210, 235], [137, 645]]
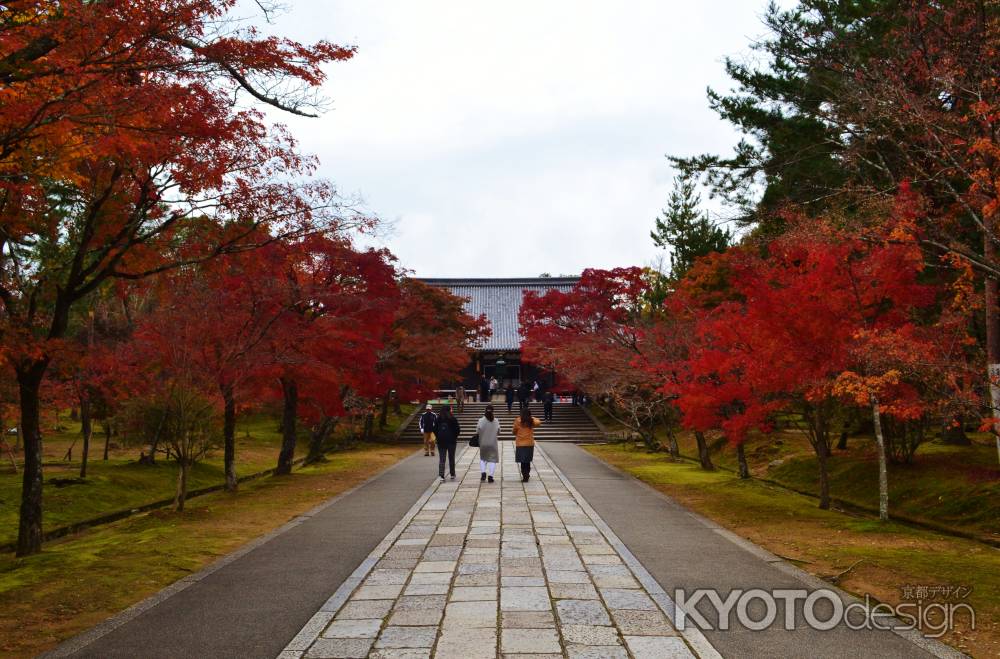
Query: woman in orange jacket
[[524, 441]]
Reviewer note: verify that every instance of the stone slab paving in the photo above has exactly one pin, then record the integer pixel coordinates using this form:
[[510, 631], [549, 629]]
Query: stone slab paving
[[504, 569]]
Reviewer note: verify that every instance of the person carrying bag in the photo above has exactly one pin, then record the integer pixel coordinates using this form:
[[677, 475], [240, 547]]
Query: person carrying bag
[[487, 439]]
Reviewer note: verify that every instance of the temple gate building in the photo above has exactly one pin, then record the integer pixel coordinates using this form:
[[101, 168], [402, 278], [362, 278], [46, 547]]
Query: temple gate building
[[500, 301]]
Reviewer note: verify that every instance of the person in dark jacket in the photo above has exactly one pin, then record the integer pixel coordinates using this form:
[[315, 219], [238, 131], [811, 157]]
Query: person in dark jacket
[[446, 431], [427, 421], [548, 399], [508, 396], [523, 395], [484, 390]]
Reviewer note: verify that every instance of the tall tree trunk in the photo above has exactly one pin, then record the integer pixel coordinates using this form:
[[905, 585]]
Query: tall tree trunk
[[10, 454], [703, 456], [844, 433], [318, 439], [741, 456], [883, 475], [183, 471], [290, 397], [672, 447], [369, 428], [383, 417], [822, 455], [107, 438], [69, 452], [395, 403], [5, 445], [229, 437], [992, 300], [29, 532], [87, 430]]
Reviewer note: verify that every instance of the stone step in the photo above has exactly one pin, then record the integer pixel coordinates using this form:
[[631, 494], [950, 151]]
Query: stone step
[[570, 423]]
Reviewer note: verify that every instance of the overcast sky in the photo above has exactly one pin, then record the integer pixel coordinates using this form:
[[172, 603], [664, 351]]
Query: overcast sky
[[519, 137]]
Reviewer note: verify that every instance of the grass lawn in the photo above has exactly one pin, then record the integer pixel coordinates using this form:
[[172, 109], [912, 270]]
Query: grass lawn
[[827, 542], [121, 483], [79, 581], [956, 487]]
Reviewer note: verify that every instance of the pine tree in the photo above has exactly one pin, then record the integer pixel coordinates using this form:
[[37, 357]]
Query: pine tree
[[686, 230]]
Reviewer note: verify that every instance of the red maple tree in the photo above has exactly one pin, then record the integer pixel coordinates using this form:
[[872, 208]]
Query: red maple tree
[[120, 145]]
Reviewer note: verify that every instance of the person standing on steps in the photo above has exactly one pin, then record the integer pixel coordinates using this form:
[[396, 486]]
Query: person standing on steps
[[446, 430], [523, 395], [494, 385], [484, 390], [536, 389], [427, 421], [548, 399], [524, 441], [508, 396], [488, 430], [460, 398]]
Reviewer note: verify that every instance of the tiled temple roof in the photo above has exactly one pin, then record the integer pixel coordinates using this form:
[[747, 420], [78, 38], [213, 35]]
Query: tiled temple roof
[[500, 301]]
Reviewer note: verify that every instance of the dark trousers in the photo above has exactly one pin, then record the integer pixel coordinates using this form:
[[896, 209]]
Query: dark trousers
[[446, 448], [524, 455], [547, 411], [510, 405]]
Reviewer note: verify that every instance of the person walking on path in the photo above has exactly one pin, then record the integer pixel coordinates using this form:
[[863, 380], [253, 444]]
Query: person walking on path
[[524, 441], [460, 398], [508, 396], [548, 399], [488, 430], [427, 421], [446, 430], [484, 390]]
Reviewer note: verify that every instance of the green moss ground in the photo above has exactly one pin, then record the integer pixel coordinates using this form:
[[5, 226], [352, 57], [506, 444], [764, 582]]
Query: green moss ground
[[121, 483], [957, 487], [829, 542], [79, 581]]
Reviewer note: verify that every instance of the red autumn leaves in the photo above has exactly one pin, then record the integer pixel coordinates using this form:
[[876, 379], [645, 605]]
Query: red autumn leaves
[[816, 320]]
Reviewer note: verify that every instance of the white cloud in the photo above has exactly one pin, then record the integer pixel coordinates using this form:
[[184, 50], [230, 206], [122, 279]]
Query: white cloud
[[518, 137]]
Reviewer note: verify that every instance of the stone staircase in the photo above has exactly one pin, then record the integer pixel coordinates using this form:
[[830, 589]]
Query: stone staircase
[[569, 423]]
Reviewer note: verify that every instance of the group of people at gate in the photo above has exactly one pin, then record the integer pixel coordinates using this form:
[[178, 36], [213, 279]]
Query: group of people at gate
[[522, 394], [441, 431]]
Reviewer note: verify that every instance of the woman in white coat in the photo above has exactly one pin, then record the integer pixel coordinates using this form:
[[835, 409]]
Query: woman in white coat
[[488, 430]]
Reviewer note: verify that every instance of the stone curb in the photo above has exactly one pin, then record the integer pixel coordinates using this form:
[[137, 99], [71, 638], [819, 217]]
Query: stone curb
[[692, 636], [80, 641], [932, 646], [297, 647]]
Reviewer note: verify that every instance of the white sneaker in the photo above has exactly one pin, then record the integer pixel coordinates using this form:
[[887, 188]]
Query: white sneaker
[[442, 479]]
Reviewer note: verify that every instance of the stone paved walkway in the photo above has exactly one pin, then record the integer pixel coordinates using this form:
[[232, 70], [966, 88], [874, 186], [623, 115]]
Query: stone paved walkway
[[506, 569]]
